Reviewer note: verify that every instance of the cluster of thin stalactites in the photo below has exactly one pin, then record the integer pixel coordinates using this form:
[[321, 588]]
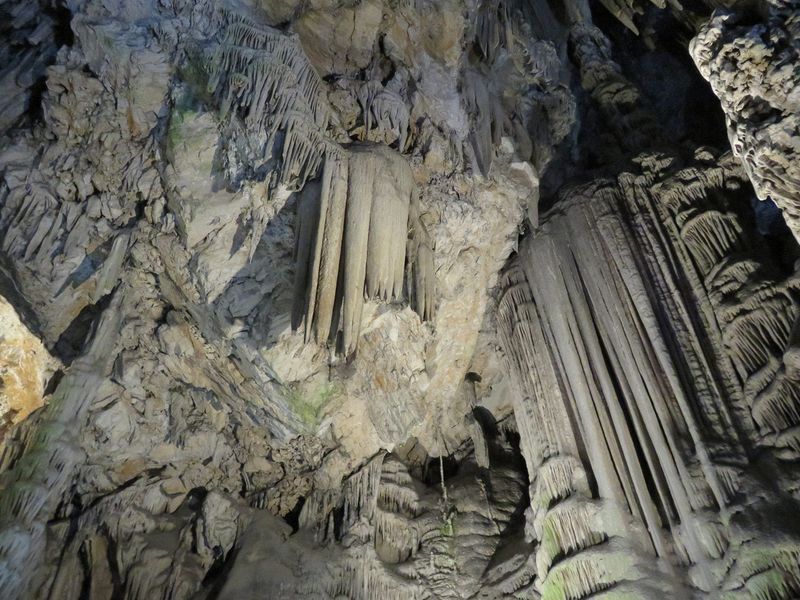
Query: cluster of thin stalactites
[[358, 231]]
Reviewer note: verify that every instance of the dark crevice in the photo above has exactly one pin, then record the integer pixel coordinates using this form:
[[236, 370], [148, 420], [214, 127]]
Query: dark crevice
[[292, 518], [72, 531], [35, 110], [111, 557], [449, 465], [775, 233], [52, 384], [72, 340], [62, 19], [218, 574], [195, 498]]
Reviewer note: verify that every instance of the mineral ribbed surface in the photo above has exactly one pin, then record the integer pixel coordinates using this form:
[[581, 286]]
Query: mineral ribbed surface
[[399, 299]]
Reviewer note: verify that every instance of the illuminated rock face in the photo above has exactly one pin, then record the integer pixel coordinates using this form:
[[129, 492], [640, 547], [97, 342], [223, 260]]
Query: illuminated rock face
[[380, 299], [625, 383], [25, 368]]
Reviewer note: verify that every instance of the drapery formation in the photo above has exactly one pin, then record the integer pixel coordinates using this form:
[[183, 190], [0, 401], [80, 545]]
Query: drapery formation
[[755, 306], [630, 415]]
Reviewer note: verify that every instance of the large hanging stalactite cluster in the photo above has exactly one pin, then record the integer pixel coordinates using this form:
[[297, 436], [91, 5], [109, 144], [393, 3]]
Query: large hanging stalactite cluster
[[352, 242], [624, 384], [353, 223]]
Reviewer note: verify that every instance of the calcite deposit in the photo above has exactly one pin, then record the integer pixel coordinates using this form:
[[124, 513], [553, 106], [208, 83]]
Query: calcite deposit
[[399, 299]]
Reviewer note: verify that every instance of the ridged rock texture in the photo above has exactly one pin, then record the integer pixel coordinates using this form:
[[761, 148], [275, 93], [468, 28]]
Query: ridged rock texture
[[755, 71], [399, 299]]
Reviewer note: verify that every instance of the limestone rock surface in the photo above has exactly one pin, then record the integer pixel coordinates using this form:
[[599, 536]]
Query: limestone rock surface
[[399, 299]]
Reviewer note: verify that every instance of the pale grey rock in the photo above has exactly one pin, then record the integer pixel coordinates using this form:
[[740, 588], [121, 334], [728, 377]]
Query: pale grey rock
[[328, 332], [754, 71]]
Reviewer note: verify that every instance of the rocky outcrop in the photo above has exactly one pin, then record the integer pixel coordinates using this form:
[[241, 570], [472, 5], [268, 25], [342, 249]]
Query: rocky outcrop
[[387, 533], [755, 72], [26, 367]]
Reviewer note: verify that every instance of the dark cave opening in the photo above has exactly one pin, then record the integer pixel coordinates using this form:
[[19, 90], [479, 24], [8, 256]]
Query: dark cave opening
[[62, 19], [658, 62]]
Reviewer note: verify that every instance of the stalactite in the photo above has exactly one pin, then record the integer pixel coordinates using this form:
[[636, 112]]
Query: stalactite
[[567, 529], [353, 224], [562, 516], [488, 118], [357, 500], [384, 110], [398, 534], [364, 170], [360, 493], [351, 243], [397, 493], [364, 579], [327, 249], [756, 309], [263, 77], [396, 541], [420, 272], [578, 284]]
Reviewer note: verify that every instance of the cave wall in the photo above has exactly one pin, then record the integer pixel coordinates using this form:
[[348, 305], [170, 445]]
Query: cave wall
[[398, 299]]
